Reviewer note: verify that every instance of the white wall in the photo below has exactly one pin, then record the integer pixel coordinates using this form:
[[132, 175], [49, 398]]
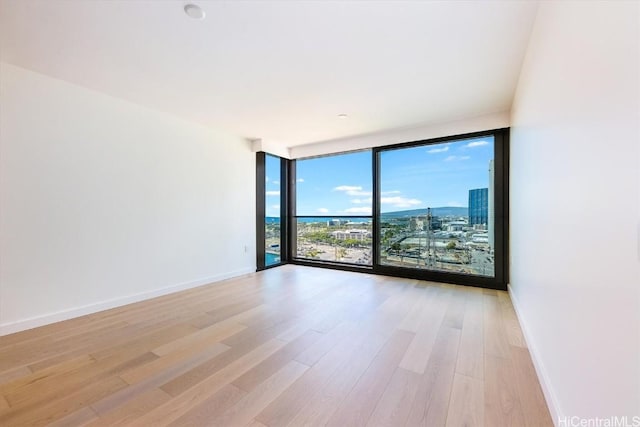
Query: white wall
[[104, 202], [575, 257], [397, 136], [270, 147]]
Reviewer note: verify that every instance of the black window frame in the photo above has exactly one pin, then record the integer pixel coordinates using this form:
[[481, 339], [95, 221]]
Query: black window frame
[[288, 217], [261, 162], [293, 232], [500, 278]]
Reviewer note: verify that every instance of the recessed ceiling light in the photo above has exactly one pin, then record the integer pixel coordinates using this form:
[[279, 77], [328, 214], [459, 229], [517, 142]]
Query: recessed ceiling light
[[342, 116], [194, 11]]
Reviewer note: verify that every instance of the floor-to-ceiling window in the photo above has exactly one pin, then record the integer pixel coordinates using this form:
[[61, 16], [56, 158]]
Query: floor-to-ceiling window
[[272, 233], [436, 206], [433, 210], [333, 220], [441, 209], [436, 209], [271, 188]]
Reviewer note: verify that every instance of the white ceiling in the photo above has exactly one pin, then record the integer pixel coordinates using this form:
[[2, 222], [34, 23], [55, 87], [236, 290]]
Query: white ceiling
[[282, 70]]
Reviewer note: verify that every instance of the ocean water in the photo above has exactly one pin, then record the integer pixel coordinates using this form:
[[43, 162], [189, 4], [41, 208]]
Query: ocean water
[[271, 259]]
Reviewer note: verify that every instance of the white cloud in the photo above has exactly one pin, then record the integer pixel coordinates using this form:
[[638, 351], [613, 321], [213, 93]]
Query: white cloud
[[396, 201], [455, 204], [362, 210], [347, 188], [275, 206], [300, 180], [352, 190], [477, 144], [323, 210], [456, 158], [276, 182], [400, 202], [266, 179], [390, 199], [438, 150], [369, 200], [273, 193]]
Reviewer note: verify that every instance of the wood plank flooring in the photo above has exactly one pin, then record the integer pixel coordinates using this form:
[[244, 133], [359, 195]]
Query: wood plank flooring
[[291, 346]]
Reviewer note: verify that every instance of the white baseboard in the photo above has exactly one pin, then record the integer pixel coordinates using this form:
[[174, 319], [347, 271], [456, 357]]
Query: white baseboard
[[45, 319], [543, 378]]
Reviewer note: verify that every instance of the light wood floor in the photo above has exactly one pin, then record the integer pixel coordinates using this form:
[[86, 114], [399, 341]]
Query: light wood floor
[[290, 346]]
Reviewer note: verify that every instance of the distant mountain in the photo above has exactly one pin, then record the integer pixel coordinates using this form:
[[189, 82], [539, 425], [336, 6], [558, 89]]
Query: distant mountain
[[441, 211]]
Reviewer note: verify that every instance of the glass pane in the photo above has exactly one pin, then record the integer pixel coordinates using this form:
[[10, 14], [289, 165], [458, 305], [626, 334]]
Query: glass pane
[[436, 204], [346, 240], [272, 210], [333, 207], [334, 185]]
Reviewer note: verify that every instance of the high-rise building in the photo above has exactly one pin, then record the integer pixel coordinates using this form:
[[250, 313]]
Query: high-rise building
[[478, 206]]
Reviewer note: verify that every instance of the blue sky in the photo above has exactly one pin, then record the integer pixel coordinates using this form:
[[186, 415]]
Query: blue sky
[[411, 178], [272, 184]]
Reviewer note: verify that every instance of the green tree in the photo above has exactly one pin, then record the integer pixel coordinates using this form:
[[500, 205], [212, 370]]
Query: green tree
[[351, 242]]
